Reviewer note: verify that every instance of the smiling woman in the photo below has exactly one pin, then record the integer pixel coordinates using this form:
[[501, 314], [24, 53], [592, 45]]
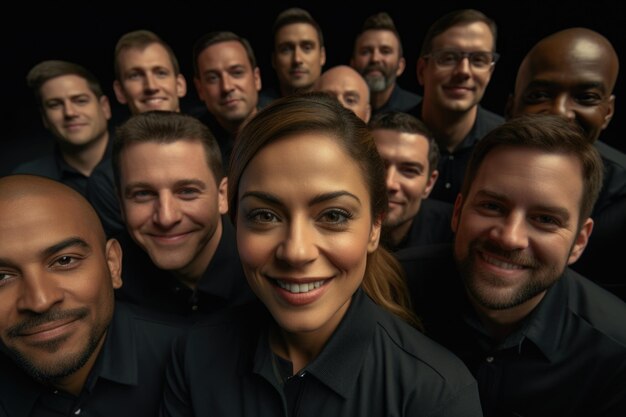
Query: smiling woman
[[330, 335]]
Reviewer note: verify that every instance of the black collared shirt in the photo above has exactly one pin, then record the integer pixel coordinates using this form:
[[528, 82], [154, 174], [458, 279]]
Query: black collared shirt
[[222, 285], [126, 380], [400, 100], [373, 365], [605, 249], [54, 167], [431, 225], [452, 165], [102, 194], [567, 358]]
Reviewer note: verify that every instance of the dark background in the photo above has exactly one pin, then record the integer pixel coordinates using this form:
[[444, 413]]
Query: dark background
[[87, 35]]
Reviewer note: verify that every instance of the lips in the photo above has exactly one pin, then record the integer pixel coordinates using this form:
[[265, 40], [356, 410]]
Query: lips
[[49, 326], [169, 239]]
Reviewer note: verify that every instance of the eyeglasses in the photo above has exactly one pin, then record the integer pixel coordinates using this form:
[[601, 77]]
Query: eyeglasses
[[450, 58]]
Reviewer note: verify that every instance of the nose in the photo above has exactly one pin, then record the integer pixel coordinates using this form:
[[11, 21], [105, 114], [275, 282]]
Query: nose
[[227, 84], [150, 84], [463, 66], [167, 211], [299, 246], [376, 55], [392, 179], [562, 107], [511, 233], [39, 292], [297, 55], [69, 109]]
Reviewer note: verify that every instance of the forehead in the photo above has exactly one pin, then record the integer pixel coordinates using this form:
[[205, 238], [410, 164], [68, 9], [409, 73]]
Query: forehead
[[65, 85], [562, 62], [401, 145], [153, 54], [528, 176], [223, 54], [378, 37], [343, 80], [474, 36], [309, 163], [30, 223], [296, 32], [164, 162]]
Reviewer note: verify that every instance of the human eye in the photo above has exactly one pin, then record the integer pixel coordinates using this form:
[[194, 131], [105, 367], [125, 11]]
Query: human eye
[[188, 193], [5, 277], [238, 72], [480, 59], [335, 217], [55, 104], [411, 172], [133, 75], [211, 78], [285, 49], [81, 100], [351, 100], [490, 208], [141, 196], [536, 96], [588, 98], [448, 58], [386, 51], [307, 46], [162, 72], [65, 262], [262, 217], [547, 221]]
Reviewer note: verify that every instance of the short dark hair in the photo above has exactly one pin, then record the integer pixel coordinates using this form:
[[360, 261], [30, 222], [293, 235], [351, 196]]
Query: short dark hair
[[165, 127], [141, 39], [456, 18], [406, 123], [47, 70], [550, 134], [296, 15], [218, 37], [382, 21]]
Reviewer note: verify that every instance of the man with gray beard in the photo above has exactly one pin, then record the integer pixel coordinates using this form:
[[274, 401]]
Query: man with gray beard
[[540, 339], [378, 57]]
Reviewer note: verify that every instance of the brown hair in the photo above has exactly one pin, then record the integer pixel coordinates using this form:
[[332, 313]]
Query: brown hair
[[47, 70], [548, 133], [319, 112], [218, 37], [140, 39], [382, 21], [405, 123], [456, 18], [166, 127], [297, 15]]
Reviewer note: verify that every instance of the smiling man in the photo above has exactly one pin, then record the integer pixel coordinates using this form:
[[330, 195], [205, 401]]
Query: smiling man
[[65, 347], [75, 110], [457, 59], [147, 74], [168, 171], [539, 338]]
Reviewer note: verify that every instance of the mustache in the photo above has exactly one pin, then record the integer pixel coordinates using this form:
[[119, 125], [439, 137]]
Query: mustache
[[375, 67], [37, 320], [518, 257]]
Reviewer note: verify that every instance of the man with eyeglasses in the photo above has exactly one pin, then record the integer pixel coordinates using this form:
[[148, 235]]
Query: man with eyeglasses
[[455, 65]]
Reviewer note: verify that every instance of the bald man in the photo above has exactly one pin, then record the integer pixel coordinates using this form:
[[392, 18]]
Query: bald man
[[349, 87], [65, 347], [572, 73]]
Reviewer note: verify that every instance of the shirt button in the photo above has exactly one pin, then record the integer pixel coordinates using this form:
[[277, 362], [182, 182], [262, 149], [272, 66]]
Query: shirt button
[[77, 412], [489, 359], [447, 185], [451, 157], [194, 307]]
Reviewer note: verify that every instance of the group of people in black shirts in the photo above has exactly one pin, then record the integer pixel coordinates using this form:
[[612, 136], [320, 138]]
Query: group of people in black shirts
[[339, 246]]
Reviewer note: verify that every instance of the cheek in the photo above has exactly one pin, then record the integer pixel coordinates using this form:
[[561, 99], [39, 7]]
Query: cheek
[[254, 249], [136, 214]]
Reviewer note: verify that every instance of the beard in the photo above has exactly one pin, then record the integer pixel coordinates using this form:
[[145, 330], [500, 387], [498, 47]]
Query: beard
[[378, 83], [64, 365], [490, 291]]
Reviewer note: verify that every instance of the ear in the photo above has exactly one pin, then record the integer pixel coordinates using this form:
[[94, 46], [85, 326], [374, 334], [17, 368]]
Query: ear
[[430, 183], [456, 213], [322, 56], [114, 262], [222, 196], [509, 107], [199, 90], [401, 66], [374, 237], [105, 105], [610, 109], [421, 66], [257, 79], [580, 243], [181, 86], [119, 92], [368, 113]]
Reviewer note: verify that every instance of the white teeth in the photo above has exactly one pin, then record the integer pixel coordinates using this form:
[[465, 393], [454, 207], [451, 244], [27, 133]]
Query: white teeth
[[500, 264], [299, 288]]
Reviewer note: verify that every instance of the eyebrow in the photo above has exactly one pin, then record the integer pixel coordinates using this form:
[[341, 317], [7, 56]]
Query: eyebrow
[[270, 198], [64, 244], [585, 85], [180, 183], [556, 210]]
